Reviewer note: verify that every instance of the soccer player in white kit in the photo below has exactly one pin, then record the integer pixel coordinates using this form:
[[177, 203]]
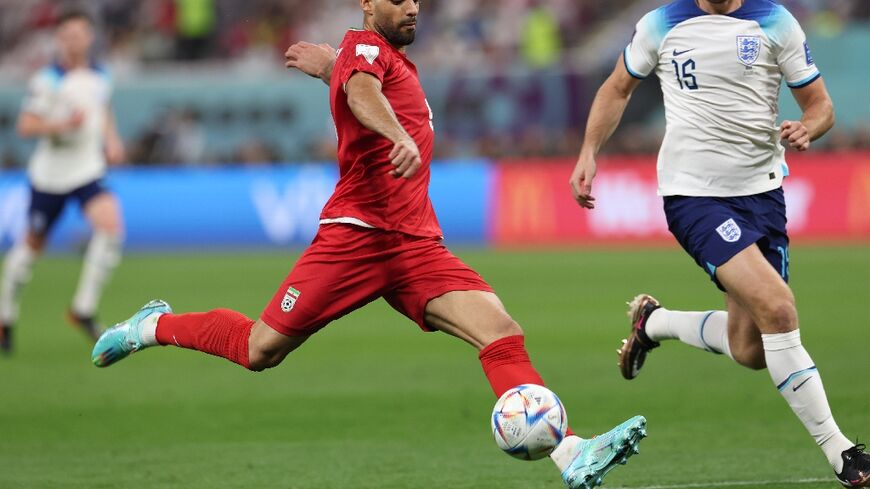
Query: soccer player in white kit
[[720, 171], [67, 109]]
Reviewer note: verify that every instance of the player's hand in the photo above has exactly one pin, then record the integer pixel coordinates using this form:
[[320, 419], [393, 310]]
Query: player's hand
[[796, 134], [72, 123], [115, 152], [581, 181], [312, 59], [405, 157]]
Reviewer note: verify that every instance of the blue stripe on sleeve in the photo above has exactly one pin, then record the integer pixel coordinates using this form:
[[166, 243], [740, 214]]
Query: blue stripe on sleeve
[[806, 81]]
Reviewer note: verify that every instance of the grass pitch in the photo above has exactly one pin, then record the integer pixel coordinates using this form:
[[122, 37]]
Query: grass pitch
[[371, 402]]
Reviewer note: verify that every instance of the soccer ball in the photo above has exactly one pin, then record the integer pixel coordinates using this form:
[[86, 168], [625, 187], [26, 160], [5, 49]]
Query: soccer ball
[[529, 422]]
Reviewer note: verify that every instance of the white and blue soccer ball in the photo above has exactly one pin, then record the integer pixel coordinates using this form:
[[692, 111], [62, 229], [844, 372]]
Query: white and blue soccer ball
[[529, 422]]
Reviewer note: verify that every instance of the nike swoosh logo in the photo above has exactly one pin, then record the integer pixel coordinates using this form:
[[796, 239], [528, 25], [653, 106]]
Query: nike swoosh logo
[[795, 388], [680, 53]]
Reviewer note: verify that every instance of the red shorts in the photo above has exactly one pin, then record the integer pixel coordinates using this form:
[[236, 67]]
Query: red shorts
[[347, 266]]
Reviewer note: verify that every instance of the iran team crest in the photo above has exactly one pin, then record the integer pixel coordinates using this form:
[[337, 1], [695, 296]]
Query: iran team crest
[[748, 49], [290, 298]]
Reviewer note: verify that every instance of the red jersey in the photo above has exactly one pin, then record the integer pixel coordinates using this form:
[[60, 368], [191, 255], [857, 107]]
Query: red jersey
[[366, 191]]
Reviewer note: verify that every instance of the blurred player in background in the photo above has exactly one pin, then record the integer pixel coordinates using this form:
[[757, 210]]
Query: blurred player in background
[[67, 109], [379, 237], [720, 170]]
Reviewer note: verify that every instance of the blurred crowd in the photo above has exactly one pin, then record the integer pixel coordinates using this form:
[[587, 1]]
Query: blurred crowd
[[456, 32], [535, 35], [139, 32]]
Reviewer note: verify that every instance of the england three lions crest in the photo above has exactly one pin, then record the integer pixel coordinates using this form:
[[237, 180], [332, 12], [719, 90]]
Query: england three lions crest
[[748, 49]]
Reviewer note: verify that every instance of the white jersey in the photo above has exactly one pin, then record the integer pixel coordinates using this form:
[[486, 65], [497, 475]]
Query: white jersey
[[720, 77], [63, 163]]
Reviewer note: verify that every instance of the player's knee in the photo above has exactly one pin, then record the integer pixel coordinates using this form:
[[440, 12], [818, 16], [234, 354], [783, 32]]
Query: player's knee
[[506, 327], [260, 359], [104, 212], [110, 226], [779, 316], [262, 356], [114, 229]]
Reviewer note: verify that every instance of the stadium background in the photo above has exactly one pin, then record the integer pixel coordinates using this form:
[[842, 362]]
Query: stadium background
[[231, 158]]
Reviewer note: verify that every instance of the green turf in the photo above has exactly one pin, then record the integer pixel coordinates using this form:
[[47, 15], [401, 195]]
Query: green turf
[[371, 402]]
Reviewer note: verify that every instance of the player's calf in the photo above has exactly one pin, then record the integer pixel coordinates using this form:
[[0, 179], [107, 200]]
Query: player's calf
[[749, 354], [744, 338], [220, 332]]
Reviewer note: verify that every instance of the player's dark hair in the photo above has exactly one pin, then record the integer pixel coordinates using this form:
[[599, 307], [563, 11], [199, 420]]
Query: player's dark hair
[[74, 13]]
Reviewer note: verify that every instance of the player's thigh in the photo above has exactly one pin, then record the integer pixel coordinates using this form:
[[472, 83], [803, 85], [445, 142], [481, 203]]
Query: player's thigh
[[44, 211], [711, 230], [103, 212], [436, 290], [744, 337], [475, 316], [340, 272], [760, 290]]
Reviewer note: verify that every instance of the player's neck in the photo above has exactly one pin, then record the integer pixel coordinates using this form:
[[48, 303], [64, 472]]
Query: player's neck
[[723, 8], [73, 62]]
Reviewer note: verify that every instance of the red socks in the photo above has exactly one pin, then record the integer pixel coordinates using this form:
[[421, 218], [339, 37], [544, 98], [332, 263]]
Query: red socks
[[225, 333], [507, 365], [221, 332]]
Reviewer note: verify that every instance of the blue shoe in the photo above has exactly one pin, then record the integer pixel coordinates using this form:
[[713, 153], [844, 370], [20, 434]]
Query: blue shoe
[[598, 456], [126, 338]]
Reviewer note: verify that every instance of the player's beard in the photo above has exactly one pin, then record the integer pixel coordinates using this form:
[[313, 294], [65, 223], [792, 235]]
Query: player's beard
[[396, 36]]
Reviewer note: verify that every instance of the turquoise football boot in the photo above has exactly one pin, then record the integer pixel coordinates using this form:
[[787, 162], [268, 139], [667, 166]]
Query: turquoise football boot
[[126, 338], [598, 456]]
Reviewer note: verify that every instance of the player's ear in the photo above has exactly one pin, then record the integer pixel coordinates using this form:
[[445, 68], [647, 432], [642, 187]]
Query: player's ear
[[367, 7]]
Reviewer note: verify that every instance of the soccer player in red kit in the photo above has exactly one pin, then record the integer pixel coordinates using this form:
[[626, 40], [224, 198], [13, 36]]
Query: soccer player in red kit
[[379, 237]]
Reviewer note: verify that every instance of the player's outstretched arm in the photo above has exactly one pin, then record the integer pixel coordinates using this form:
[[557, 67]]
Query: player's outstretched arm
[[817, 119], [114, 145], [31, 125], [314, 60], [373, 110], [604, 117]]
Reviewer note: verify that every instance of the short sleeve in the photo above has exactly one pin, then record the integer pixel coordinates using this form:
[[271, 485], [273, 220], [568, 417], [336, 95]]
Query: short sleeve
[[365, 58], [642, 54], [108, 81], [40, 93], [793, 56]]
